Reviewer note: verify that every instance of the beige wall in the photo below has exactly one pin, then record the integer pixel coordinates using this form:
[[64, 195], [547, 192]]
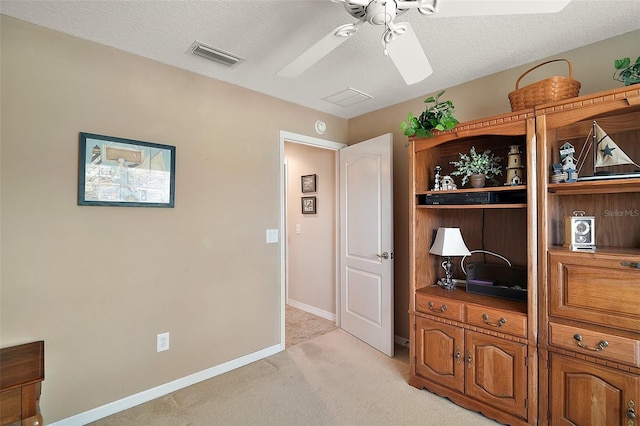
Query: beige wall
[[311, 255], [98, 283], [592, 66]]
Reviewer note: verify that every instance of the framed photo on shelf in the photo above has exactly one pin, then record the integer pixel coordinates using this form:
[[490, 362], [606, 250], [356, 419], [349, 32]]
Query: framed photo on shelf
[[308, 183], [122, 172], [308, 205]]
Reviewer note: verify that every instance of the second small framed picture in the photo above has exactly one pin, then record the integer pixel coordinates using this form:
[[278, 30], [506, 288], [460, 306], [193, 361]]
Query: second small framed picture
[[308, 205], [308, 183]]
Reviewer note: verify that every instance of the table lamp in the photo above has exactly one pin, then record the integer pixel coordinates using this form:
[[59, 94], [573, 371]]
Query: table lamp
[[448, 243]]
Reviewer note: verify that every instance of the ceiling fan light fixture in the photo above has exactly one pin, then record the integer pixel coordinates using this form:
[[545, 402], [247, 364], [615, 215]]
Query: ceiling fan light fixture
[[214, 54]]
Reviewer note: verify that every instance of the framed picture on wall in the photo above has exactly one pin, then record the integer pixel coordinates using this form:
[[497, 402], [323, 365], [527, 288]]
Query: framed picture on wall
[[308, 183], [123, 172], [308, 205]]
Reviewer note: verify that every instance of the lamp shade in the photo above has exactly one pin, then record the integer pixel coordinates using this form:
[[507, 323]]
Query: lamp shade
[[449, 242]]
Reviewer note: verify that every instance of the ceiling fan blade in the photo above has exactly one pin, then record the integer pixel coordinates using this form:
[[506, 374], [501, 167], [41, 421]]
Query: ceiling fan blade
[[355, 2], [456, 8], [319, 50], [406, 53]]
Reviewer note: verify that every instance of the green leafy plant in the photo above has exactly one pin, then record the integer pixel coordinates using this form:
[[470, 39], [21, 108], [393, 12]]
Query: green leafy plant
[[473, 163], [438, 115], [627, 72]]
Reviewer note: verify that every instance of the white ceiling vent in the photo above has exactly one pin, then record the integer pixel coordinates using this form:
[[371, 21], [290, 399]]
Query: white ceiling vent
[[214, 54], [347, 97]]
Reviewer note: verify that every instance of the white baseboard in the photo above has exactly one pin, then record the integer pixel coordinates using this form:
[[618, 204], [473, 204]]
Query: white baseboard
[[328, 315], [158, 391], [312, 310]]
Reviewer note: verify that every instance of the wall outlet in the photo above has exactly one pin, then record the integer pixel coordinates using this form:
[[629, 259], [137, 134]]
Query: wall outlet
[[163, 342]]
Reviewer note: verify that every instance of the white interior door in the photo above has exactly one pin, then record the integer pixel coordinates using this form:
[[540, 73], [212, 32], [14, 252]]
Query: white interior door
[[366, 242]]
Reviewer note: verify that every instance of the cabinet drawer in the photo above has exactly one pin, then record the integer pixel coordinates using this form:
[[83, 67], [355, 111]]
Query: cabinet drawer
[[595, 288], [439, 306], [497, 319], [600, 345]]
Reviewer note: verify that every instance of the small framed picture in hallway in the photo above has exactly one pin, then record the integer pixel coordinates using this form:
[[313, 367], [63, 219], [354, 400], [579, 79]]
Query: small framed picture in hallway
[[308, 183], [308, 205]]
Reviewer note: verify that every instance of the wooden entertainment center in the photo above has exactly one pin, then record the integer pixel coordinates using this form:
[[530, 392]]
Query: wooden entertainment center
[[570, 353]]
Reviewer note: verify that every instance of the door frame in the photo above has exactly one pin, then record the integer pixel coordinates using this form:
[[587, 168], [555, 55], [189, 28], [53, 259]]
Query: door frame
[[318, 143]]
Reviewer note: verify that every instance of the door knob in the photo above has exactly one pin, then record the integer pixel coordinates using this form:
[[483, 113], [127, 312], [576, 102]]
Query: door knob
[[384, 255]]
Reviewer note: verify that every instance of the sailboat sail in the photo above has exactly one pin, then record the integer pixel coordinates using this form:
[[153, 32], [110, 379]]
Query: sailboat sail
[[608, 153], [156, 162]]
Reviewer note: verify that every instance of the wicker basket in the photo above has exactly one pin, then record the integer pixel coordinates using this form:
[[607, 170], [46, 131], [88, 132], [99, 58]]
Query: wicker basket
[[548, 90]]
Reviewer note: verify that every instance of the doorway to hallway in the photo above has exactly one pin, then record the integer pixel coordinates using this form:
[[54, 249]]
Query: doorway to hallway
[[309, 238]]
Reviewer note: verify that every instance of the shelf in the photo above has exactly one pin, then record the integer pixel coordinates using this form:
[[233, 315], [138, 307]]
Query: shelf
[[601, 250], [608, 186]]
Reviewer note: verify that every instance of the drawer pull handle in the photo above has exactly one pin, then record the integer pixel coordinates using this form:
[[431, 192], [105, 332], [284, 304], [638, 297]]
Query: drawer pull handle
[[603, 344], [458, 355], [630, 264], [502, 321], [441, 310]]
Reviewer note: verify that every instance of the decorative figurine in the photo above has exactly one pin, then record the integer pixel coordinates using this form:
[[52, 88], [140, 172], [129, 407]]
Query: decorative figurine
[[580, 232], [566, 170], [448, 184], [606, 153], [437, 186], [515, 168], [442, 183]]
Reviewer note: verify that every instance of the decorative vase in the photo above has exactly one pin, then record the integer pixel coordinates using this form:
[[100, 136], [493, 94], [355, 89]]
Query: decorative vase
[[477, 180]]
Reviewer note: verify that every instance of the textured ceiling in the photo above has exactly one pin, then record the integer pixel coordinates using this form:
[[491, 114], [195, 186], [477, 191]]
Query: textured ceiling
[[271, 33]]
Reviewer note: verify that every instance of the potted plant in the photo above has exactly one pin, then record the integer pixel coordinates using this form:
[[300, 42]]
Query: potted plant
[[627, 72], [477, 167], [438, 115]]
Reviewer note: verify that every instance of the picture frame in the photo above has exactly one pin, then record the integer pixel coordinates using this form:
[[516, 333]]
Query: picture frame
[[122, 172], [309, 205], [308, 183]]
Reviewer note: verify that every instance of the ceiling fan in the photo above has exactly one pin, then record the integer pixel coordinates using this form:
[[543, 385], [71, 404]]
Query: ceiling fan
[[399, 39]]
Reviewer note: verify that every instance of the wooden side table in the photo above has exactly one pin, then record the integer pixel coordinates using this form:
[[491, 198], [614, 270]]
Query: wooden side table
[[21, 374]]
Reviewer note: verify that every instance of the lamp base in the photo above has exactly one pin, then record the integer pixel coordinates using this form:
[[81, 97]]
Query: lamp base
[[447, 285], [447, 282]]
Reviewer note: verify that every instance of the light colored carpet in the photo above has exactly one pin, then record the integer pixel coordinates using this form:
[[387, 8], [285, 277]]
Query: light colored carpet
[[301, 326], [332, 379]]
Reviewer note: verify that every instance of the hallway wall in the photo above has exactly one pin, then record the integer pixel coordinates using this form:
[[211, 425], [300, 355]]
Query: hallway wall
[[311, 256]]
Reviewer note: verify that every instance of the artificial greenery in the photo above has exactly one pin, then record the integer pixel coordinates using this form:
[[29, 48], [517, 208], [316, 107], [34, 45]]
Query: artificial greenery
[[627, 72], [438, 115], [473, 163]]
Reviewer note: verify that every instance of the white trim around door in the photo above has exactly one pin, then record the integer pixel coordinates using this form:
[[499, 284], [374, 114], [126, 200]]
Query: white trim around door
[[320, 143]]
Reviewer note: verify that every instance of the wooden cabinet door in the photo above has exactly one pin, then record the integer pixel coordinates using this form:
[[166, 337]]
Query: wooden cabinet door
[[440, 353], [496, 372], [586, 394]]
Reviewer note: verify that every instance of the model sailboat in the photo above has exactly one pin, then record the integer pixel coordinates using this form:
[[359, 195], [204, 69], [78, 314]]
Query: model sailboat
[[606, 153]]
